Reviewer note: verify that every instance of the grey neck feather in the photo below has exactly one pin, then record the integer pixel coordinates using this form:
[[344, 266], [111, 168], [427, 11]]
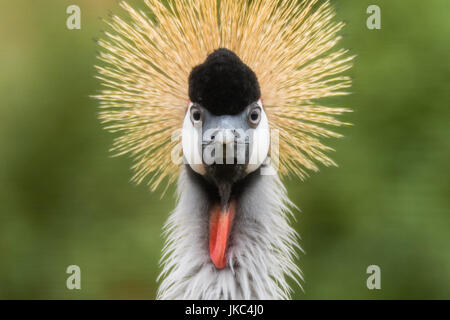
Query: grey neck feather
[[261, 252]]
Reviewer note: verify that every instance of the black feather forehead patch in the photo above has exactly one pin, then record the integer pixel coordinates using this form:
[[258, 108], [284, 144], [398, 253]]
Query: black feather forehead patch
[[223, 84]]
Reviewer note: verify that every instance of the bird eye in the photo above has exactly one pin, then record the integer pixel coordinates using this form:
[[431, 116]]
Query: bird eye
[[196, 115], [254, 117]]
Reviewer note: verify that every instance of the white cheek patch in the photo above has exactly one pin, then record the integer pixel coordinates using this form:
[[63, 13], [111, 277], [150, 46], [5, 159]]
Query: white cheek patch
[[191, 140], [259, 142]]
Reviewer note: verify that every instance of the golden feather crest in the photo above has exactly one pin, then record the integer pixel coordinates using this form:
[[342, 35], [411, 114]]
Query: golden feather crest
[[288, 44]]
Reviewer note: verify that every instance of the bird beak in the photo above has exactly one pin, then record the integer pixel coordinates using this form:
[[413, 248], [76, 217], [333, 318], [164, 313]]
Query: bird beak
[[223, 135]]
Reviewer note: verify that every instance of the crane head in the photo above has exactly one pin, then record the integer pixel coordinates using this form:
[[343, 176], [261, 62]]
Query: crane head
[[225, 131], [225, 135]]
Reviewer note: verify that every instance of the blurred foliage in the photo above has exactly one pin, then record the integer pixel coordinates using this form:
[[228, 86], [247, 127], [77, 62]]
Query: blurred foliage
[[64, 200]]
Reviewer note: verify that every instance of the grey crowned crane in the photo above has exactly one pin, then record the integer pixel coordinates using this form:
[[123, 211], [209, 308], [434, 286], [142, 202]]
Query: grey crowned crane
[[222, 96]]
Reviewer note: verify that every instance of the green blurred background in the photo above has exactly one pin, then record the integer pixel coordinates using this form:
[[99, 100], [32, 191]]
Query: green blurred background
[[64, 200]]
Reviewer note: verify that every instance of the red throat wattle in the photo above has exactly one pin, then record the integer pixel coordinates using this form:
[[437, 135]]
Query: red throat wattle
[[219, 233]]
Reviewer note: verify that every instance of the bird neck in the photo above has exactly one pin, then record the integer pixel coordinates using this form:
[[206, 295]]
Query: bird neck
[[261, 248]]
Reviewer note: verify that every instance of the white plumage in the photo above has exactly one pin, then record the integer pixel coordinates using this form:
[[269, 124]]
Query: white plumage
[[261, 253]]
